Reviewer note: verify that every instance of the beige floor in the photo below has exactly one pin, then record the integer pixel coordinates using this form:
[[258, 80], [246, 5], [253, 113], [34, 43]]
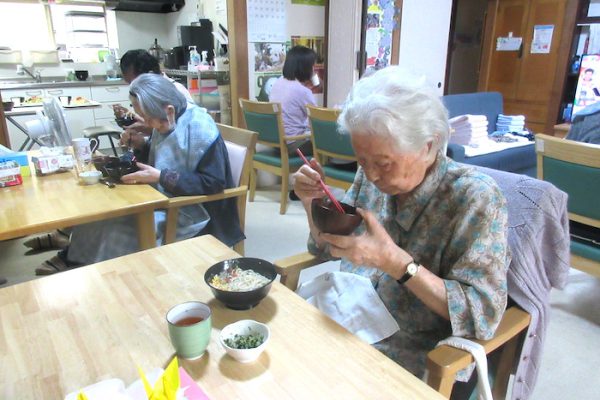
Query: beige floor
[[569, 368]]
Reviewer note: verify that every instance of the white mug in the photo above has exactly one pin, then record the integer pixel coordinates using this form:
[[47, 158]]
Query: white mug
[[82, 150], [315, 80]]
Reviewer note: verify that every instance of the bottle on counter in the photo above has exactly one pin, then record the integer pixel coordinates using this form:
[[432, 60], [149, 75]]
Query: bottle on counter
[[194, 59]]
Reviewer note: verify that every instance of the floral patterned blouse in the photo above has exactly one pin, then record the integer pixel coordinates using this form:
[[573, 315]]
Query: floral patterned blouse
[[453, 224]]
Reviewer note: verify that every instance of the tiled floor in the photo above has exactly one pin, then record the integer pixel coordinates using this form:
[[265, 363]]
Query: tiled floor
[[569, 369]]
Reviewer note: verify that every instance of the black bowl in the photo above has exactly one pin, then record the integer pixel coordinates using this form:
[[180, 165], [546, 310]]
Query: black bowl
[[113, 167], [242, 300], [329, 220], [81, 75], [7, 105]]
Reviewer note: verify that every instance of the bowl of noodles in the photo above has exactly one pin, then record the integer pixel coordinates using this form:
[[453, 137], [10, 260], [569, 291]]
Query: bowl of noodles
[[240, 283]]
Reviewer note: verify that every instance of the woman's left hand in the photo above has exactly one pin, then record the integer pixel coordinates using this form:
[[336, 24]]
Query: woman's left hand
[[374, 248], [146, 174]]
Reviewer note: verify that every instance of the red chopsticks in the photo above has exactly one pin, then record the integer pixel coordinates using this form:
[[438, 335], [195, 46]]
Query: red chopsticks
[[325, 188]]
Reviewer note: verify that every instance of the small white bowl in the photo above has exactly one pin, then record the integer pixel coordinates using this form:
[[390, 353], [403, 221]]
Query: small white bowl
[[90, 177], [245, 327]]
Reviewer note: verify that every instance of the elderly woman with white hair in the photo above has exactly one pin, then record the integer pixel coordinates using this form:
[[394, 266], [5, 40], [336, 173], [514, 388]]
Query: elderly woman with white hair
[[186, 155], [433, 240]]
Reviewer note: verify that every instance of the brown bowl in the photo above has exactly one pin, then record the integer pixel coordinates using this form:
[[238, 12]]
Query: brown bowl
[[329, 220]]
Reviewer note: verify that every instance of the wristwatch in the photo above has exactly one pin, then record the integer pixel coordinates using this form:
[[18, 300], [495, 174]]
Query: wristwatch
[[411, 270]]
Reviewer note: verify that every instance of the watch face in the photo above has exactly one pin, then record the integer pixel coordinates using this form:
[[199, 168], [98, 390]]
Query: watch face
[[412, 268]]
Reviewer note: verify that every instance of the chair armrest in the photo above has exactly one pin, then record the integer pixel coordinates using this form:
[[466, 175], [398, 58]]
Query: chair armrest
[[297, 137], [289, 268], [456, 152], [180, 201], [444, 362]]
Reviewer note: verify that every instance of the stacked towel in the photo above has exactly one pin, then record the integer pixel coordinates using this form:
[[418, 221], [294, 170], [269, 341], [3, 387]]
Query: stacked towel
[[468, 129], [510, 123]]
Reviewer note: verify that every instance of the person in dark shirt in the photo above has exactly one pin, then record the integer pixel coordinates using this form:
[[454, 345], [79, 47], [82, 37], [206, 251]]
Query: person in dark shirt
[[186, 156]]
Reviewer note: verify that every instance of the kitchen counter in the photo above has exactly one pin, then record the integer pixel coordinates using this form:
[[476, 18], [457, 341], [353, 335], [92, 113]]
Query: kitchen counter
[[58, 83]]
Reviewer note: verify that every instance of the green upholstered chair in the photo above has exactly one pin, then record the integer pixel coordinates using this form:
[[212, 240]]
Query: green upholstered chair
[[265, 118], [574, 168], [329, 143]]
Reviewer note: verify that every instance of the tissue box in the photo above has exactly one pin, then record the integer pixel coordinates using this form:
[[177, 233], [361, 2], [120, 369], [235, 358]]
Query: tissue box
[[21, 159], [10, 174], [50, 164]]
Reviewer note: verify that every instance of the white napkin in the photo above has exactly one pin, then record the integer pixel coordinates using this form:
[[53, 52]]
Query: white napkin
[[351, 301]]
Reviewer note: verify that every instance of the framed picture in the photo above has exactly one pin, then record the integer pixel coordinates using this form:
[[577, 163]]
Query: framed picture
[[588, 84]]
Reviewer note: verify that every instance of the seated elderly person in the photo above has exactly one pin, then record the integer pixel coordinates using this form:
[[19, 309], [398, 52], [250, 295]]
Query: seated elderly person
[[433, 240], [186, 156]]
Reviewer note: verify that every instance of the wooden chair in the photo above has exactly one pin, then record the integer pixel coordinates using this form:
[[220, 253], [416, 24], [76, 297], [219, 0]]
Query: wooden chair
[[240, 146], [574, 167], [328, 142], [442, 362], [265, 118]]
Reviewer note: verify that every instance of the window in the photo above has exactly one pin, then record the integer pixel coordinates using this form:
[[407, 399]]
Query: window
[[25, 27], [81, 30]]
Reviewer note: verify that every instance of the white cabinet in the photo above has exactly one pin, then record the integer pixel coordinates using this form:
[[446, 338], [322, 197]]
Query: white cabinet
[[77, 119], [107, 96]]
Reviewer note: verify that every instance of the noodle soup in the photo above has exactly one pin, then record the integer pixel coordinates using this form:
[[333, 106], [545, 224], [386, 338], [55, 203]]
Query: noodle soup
[[240, 283], [238, 280]]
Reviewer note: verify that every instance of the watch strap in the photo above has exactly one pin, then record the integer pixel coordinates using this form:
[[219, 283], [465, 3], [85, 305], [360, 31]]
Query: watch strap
[[407, 275]]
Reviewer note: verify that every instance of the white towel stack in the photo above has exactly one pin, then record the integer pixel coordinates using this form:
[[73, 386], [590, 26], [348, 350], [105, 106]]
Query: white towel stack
[[468, 129], [510, 123]]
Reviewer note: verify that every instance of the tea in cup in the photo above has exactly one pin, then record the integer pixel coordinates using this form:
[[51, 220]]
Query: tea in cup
[[189, 329]]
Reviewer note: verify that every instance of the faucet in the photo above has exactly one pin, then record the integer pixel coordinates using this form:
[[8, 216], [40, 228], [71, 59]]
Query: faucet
[[36, 74]]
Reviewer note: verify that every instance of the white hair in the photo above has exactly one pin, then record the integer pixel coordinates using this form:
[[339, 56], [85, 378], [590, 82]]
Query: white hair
[[397, 103], [154, 93]]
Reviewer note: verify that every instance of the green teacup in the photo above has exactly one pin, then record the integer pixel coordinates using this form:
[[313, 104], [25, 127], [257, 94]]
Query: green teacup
[[189, 328]]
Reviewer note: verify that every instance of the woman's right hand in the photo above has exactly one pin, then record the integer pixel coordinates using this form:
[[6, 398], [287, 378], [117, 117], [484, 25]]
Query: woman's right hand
[[132, 138], [306, 181]]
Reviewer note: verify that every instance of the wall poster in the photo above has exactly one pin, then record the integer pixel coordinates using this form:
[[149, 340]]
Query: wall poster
[[266, 63], [378, 33]]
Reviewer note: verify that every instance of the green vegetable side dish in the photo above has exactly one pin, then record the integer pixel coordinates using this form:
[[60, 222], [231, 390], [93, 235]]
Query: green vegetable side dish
[[249, 341]]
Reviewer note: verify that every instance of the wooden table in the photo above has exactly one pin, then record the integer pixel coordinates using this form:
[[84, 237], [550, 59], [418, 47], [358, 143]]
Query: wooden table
[[43, 203], [66, 331]]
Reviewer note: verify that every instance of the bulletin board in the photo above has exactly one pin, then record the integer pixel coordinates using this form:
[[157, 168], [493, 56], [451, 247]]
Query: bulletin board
[[380, 33]]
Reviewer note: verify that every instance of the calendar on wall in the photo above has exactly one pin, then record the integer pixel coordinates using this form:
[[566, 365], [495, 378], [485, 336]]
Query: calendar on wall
[[266, 21]]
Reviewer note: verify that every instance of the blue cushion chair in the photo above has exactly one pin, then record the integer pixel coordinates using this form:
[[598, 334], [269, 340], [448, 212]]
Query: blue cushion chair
[[519, 160], [574, 167], [265, 119], [329, 143]]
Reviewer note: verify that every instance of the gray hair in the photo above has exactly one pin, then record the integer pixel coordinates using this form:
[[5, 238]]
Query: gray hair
[[397, 103], [154, 93]]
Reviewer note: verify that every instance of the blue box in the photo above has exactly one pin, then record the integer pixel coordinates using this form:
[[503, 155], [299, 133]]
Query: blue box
[[21, 158]]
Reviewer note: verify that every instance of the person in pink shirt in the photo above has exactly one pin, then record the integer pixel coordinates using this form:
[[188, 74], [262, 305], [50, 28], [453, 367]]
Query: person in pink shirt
[[293, 91]]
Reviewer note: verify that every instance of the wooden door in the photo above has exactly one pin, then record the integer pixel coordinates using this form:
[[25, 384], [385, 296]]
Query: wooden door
[[505, 66], [525, 79]]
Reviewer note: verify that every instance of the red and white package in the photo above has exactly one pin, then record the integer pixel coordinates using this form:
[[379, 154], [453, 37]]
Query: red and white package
[[10, 174]]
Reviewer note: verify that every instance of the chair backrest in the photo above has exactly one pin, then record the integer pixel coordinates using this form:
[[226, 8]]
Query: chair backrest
[[265, 119], [573, 167], [483, 103], [240, 147], [326, 137]]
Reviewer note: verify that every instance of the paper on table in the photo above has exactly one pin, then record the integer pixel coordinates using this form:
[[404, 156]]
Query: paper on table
[[352, 302], [173, 384]]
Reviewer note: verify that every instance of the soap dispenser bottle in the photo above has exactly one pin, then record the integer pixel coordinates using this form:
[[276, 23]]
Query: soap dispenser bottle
[[194, 59], [204, 65]]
